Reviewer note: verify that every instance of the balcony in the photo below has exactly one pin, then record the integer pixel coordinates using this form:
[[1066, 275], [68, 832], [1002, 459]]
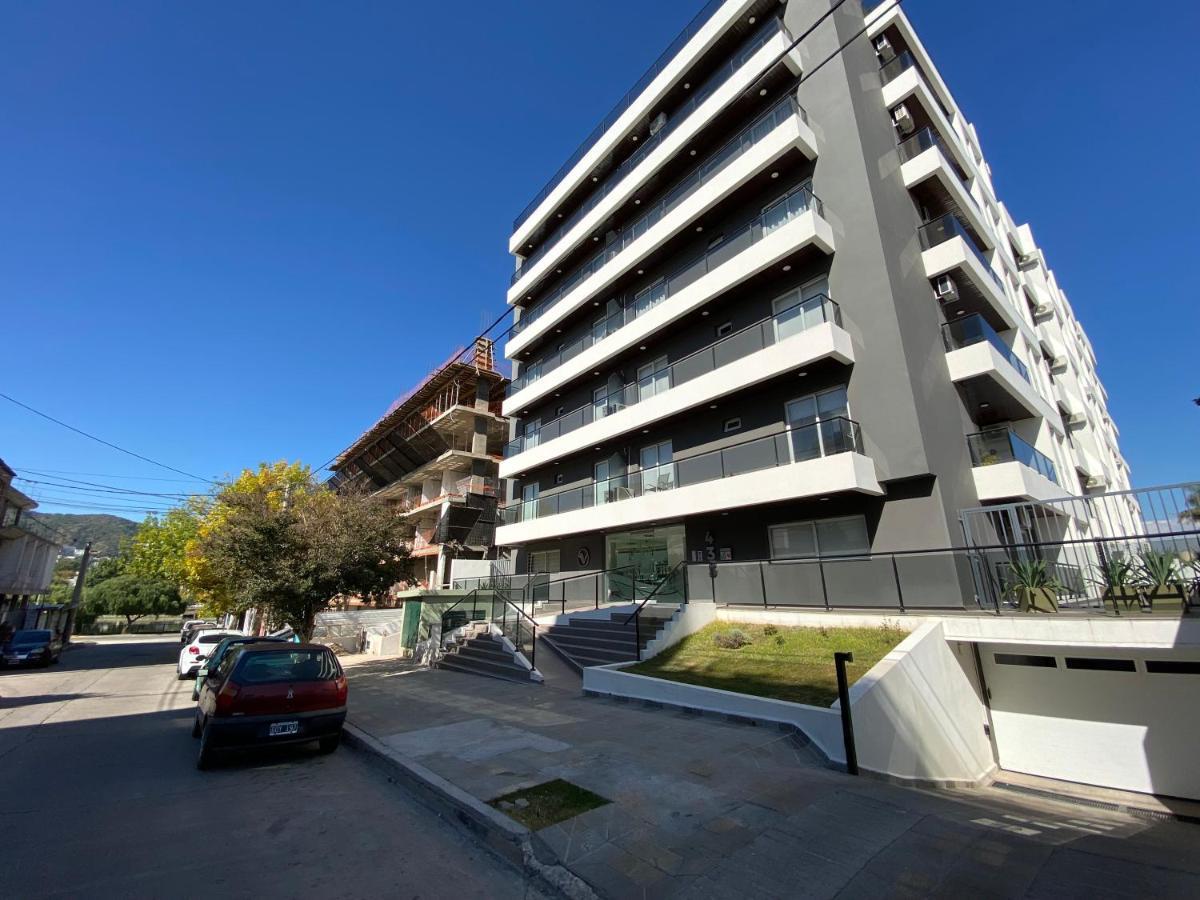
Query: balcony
[[799, 335], [929, 171], [994, 382], [948, 248], [470, 484], [617, 183], [755, 147], [792, 222], [1006, 467], [804, 461], [670, 61]]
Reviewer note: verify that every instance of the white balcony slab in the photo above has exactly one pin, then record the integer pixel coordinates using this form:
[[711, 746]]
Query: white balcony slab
[[640, 108], [982, 360], [807, 229], [843, 472], [909, 86], [824, 341], [735, 174], [883, 16], [953, 255], [1013, 481], [932, 164], [675, 143]]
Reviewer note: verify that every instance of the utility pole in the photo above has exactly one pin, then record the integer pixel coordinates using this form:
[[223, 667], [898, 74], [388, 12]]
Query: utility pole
[[77, 594]]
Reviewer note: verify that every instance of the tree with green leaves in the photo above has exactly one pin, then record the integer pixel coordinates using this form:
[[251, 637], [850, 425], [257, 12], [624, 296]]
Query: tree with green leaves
[[275, 540], [158, 549], [134, 596]]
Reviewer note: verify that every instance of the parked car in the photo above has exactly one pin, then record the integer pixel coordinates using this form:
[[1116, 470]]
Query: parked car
[[193, 656], [188, 629], [214, 658], [265, 694], [31, 647]]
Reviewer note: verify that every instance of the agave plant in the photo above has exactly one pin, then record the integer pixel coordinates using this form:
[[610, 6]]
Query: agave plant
[[1034, 586], [1116, 573], [1157, 570]]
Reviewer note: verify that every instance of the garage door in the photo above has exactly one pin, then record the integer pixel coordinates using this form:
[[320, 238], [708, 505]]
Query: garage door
[[1128, 719]]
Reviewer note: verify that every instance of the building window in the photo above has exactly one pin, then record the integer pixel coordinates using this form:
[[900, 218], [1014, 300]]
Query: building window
[[842, 536], [733, 424], [658, 474], [543, 562], [820, 425], [724, 328]]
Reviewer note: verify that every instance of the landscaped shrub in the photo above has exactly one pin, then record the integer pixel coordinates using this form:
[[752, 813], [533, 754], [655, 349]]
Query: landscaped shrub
[[770, 630], [779, 640], [731, 640]]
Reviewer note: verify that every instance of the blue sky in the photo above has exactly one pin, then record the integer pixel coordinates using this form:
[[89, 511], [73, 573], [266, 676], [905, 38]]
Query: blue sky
[[233, 232]]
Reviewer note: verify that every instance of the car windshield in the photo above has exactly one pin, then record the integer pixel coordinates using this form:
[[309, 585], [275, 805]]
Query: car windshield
[[287, 665], [212, 638], [30, 636]]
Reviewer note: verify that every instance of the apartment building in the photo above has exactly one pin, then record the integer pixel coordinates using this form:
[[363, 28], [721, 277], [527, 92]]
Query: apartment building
[[434, 456], [28, 551], [763, 319]]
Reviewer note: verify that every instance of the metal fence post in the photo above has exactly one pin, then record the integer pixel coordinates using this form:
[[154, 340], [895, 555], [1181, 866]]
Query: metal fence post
[[762, 577], [899, 590], [824, 587], [840, 658]]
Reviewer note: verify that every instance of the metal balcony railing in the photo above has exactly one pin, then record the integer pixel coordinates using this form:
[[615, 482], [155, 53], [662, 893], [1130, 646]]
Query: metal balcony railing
[[947, 227], [798, 316], [617, 175], [792, 445], [796, 202], [684, 188], [894, 67], [623, 104], [974, 329], [1000, 445]]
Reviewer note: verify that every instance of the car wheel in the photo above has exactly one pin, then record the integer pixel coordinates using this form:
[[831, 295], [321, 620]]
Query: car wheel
[[329, 744], [197, 728], [181, 677], [204, 760]]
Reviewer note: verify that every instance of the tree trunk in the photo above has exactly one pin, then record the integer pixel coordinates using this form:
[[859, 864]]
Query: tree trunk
[[310, 621], [129, 620]]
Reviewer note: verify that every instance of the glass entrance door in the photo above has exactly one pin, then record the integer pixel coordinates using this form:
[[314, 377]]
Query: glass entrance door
[[644, 558]]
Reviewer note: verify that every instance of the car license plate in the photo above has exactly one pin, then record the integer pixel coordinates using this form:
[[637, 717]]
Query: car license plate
[[279, 728]]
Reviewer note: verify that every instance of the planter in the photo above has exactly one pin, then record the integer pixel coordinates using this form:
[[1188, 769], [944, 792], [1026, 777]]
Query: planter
[[1039, 599], [1126, 597], [1164, 598]]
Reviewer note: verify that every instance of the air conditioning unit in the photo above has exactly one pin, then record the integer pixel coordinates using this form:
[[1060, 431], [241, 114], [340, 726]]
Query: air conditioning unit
[[945, 289], [884, 48], [1096, 482], [1027, 259], [1077, 420], [1043, 310], [903, 120], [658, 122]]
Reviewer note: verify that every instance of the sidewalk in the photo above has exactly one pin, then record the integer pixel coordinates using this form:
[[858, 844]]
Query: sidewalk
[[704, 807]]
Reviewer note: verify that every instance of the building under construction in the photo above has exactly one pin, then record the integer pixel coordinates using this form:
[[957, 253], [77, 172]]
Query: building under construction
[[435, 455]]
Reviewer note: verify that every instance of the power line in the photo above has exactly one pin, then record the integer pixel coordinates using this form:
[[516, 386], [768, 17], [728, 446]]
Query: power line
[[98, 440], [57, 472], [133, 502], [95, 487]]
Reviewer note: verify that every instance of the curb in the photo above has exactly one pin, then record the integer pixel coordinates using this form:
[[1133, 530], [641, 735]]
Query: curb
[[512, 841]]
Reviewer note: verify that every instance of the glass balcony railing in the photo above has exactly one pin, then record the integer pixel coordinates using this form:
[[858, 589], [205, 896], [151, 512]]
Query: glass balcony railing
[[1000, 445], [788, 207], [796, 317], [623, 104], [926, 139], [894, 67], [684, 188], [792, 445], [974, 329], [617, 175], [947, 227]]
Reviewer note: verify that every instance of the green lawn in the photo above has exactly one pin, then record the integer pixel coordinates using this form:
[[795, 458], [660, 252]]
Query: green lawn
[[793, 664], [548, 804]]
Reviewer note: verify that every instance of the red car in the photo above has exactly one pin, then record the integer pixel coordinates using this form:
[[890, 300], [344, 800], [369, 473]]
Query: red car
[[268, 694]]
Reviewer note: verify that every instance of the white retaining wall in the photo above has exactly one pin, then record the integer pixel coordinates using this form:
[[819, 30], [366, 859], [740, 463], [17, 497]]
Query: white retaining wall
[[917, 714]]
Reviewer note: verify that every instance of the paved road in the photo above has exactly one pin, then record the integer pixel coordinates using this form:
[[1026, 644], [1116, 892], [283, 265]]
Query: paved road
[[99, 797]]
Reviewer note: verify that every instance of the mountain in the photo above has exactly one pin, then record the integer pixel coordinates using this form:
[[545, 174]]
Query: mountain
[[105, 532]]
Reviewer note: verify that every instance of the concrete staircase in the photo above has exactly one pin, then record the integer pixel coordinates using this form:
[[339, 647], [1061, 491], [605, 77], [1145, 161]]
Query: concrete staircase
[[596, 640], [484, 653]]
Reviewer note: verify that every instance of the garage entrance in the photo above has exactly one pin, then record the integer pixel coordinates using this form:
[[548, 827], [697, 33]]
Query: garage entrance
[[1120, 719]]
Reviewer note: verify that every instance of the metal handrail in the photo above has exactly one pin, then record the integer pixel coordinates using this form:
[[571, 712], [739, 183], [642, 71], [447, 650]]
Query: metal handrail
[[792, 203], [680, 190], [640, 85], [563, 604], [637, 613], [833, 315]]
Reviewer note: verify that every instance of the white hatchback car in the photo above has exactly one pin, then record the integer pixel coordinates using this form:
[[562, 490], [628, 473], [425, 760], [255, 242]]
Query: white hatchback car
[[193, 656]]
